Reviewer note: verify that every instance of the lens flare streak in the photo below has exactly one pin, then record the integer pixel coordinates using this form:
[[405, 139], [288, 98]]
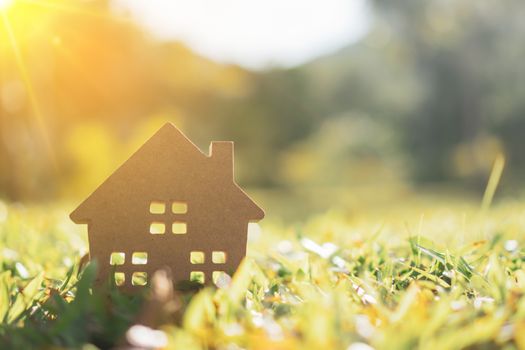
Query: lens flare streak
[[29, 87]]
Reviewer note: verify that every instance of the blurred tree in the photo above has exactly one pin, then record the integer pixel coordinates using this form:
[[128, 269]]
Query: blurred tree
[[466, 56], [446, 76], [436, 84], [278, 110], [76, 81]]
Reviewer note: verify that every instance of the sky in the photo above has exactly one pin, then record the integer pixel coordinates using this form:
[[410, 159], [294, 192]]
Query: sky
[[256, 34]]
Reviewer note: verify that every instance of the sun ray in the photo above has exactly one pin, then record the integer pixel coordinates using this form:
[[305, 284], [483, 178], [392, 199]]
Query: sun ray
[[29, 88], [73, 9]]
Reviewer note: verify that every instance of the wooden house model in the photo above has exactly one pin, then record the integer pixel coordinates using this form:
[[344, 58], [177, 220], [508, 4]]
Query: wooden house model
[[168, 205]]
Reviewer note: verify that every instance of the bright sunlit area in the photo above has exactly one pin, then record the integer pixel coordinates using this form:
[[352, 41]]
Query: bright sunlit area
[[254, 33], [5, 3]]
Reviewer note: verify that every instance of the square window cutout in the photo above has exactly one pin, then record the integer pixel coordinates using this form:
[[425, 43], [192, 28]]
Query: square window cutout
[[197, 257], [139, 258], [117, 258], [120, 278], [218, 257], [197, 276], [220, 277], [179, 228], [139, 278], [179, 208], [157, 207], [157, 228]]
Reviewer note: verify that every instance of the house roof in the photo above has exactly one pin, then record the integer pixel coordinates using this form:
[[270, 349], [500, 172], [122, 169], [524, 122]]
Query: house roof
[[170, 155]]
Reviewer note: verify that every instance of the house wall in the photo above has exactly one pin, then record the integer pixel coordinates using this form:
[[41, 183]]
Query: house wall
[[209, 228]]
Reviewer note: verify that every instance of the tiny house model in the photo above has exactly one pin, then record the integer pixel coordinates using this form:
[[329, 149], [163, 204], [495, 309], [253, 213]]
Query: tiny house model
[[169, 205]]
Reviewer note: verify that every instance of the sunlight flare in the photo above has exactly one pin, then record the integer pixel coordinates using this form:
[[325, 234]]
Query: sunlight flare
[[29, 87], [4, 4]]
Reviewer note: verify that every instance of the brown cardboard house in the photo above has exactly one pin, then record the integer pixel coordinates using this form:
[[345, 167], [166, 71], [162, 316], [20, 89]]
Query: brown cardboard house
[[169, 205]]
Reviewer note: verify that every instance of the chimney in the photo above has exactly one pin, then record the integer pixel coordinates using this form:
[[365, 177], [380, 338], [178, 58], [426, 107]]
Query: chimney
[[221, 153]]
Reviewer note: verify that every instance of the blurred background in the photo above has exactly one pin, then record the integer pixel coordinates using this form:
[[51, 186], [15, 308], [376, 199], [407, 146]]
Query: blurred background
[[327, 100]]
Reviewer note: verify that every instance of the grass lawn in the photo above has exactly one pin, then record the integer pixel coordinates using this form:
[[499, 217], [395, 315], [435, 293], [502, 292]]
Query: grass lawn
[[426, 273]]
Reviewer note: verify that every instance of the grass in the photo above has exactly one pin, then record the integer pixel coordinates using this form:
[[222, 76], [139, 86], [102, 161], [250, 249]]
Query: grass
[[417, 274]]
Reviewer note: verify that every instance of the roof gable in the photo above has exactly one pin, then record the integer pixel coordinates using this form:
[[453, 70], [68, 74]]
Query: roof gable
[[173, 160]]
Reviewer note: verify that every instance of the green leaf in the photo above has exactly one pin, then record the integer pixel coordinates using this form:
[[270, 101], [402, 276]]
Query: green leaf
[[25, 298], [5, 282]]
